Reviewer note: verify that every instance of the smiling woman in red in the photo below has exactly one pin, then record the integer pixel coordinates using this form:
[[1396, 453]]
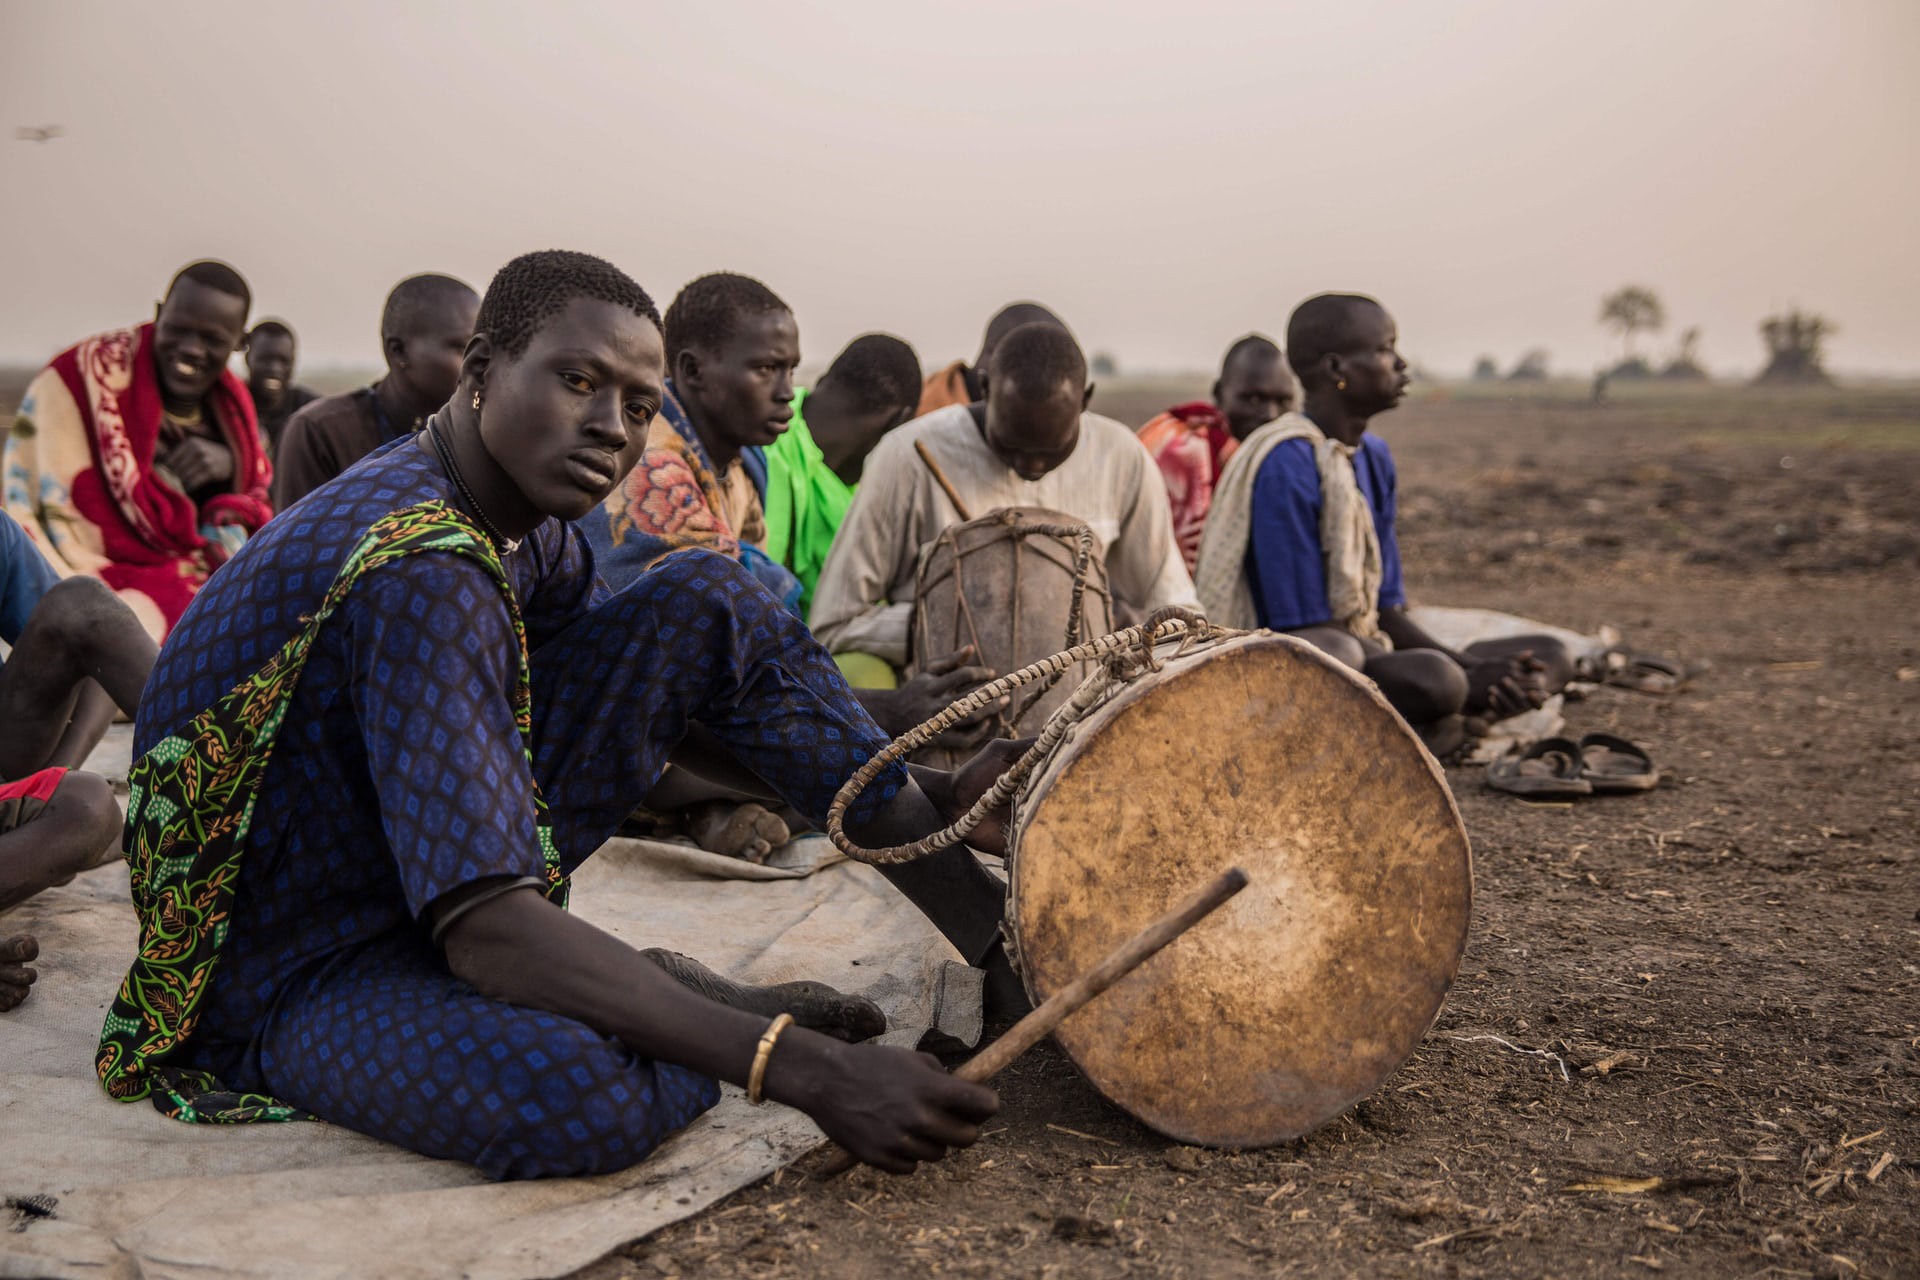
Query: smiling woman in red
[[136, 457]]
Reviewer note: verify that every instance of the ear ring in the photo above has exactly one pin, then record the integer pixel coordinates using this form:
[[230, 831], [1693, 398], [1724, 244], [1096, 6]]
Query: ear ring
[[1338, 386], [476, 396]]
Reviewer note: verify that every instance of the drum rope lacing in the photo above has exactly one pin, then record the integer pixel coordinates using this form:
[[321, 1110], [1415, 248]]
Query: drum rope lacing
[[1081, 536], [1123, 656]]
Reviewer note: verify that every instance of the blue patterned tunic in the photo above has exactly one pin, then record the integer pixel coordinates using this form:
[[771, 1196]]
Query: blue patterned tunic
[[399, 776]]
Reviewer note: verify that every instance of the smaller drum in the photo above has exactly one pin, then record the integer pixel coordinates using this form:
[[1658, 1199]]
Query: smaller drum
[[1004, 583], [1304, 993]]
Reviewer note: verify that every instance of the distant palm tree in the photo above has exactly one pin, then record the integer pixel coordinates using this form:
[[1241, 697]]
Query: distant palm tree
[[1630, 310]]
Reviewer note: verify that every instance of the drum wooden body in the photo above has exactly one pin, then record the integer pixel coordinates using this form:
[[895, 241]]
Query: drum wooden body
[[1300, 996], [1003, 583]]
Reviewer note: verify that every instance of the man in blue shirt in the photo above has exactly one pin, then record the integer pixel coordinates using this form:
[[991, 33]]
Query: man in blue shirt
[[1342, 348]]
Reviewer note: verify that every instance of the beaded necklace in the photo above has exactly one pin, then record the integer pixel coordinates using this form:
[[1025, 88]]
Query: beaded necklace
[[441, 447]]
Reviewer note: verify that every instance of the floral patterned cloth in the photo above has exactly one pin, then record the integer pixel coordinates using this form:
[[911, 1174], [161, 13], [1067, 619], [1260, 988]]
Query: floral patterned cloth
[[1190, 443], [673, 500]]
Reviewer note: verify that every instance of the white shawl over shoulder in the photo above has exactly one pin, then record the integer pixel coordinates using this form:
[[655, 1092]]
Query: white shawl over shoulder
[[1349, 543]]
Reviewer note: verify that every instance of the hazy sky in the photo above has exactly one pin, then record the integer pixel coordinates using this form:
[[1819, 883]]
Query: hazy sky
[[1167, 176]]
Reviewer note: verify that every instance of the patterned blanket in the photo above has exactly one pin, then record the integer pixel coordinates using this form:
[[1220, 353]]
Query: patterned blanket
[[81, 480], [673, 499]]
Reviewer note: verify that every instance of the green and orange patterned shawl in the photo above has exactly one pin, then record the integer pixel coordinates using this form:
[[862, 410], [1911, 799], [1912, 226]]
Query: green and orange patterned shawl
[[188, 814]]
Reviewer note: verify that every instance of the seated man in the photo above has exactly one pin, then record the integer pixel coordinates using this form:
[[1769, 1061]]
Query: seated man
[[732, 347], [424, 329], [276, 396], [1192, 442], [963, 383], [136, 457], [1030, 444], [1301, 537], [55, 822], [868, 390], [426, 728]]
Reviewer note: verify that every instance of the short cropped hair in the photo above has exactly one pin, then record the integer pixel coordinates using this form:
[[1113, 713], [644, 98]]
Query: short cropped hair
[[1037, 357], [216, 275], [878, 371], [1254, 344], [412, 298], [535, 287], [709, 311], [1320, 326], [271, 329], [1009, 318]]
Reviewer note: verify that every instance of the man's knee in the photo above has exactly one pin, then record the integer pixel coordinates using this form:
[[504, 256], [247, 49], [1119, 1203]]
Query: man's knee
[[707, 574], [1423, 685], [1444, 683], [74, 610], [709, 591], [89, 800], [76, 829], [1339, 644]]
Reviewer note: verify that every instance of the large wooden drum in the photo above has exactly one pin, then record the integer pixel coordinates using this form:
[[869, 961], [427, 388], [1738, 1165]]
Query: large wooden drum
[[1003, 583], [1306, 991]]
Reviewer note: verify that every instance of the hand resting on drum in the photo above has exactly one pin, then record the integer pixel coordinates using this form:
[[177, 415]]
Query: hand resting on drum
[[928, 693]]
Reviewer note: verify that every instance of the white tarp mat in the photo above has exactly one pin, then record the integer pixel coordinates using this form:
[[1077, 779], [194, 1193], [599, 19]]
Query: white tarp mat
[[128, 1193], [1458, 628]]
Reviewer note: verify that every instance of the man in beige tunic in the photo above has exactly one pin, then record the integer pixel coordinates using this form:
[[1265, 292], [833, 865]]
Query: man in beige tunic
[[1029, 444]]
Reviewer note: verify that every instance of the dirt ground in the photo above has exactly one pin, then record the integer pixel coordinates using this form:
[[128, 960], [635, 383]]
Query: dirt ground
[[1728, 969]]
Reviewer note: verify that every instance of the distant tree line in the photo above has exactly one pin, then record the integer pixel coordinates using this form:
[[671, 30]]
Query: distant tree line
[[1795, 341]]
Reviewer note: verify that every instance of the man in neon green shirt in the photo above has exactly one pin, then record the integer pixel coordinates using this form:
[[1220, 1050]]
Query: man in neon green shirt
[[870, 388]]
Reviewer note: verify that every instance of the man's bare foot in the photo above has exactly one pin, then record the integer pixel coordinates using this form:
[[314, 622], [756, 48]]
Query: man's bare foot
[[814, 1005], [16, 977], [736, 829]]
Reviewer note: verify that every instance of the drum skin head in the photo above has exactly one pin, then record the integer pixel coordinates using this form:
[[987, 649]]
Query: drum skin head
[[1306, 991]]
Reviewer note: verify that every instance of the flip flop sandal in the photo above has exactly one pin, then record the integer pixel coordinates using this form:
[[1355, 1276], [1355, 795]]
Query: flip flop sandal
[[1548, 770], [1613, 766], [1651, 674]]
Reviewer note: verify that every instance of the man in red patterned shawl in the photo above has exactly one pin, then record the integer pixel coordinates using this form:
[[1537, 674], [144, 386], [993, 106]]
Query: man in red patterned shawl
[[1192, 442], [136, 456]]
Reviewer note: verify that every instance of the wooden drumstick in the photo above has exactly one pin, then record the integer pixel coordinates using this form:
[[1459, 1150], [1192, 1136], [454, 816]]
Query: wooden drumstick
[[940, 478], [1062, 1004]]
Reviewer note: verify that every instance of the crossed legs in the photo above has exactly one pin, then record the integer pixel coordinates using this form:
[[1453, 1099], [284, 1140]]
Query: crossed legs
[[81, 653], [1433, 693]]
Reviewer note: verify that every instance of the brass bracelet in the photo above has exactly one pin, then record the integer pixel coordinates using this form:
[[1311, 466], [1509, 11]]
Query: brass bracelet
[[758, 1076]]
